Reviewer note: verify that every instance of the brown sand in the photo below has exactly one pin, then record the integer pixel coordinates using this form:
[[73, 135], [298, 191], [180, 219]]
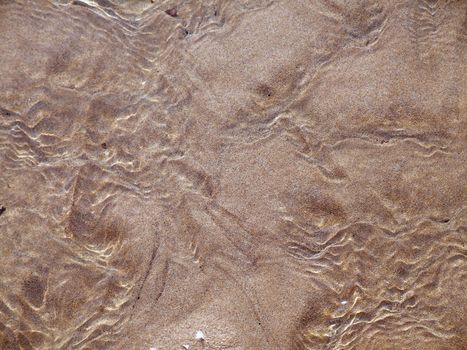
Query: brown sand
[[256, 174]]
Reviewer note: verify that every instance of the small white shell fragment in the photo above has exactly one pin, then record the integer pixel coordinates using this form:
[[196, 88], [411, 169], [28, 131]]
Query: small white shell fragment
[[186, 347], [200, 336], [152, 348]]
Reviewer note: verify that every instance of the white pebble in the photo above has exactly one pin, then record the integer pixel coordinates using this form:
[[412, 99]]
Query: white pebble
[[200, 335]]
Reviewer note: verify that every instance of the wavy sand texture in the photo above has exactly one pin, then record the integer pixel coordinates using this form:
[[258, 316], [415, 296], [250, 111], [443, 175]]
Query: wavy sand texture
[[233, 174]]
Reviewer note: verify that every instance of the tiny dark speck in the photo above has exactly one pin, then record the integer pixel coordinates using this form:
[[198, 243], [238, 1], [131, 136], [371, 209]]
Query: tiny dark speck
[[2, 209], [104, 145], [445, 221], [172, 12]]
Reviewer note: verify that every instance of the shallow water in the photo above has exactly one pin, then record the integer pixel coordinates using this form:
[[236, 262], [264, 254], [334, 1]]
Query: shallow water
[[272, 174]]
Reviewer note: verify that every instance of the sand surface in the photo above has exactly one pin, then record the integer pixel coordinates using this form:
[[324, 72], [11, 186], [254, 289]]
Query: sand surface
[[233, 174]]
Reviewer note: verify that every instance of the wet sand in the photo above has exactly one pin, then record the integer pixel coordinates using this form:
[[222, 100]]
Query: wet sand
[[233, 174]]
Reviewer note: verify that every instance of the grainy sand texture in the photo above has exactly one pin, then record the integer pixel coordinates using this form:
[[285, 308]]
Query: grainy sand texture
[[233, 174]]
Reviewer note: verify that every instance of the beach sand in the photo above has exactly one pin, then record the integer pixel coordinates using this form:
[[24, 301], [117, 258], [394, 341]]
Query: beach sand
[[233, 174]]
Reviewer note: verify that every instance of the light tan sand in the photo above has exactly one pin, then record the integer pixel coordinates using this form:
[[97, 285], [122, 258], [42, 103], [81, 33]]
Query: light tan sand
[[233, 174]]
